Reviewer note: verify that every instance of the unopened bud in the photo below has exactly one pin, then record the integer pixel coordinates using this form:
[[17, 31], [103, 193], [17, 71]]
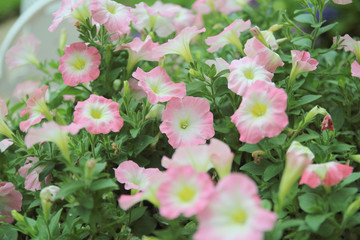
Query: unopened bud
[[48, 193], [276, 27], [255, 31], [352, 209], [63, 38], [116, 84], [327, 123], [17, 216], [355, 158], [313, 112], [126, 89], [89, 168], [156, 111], [195, 73]]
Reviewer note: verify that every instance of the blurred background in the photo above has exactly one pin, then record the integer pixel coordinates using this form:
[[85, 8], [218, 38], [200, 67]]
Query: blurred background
[[18, 17]]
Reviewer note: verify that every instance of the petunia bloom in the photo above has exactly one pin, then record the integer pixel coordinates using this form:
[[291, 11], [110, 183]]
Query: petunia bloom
[[181, 43], [234, 212], [4, 128], [220, 65], [5, 144], [326, 174], [158, 85], [261, 113], [223, 6], [32, 182], [230, 34], [184, 191], [271, 60], [23, 52], [245, 72], [342, 2], [187, 121], [133, 176], [349, 44], [80, 64], [10, 199], [98, 115], [355, 69], [327, 123], [25, 89], [36, 108], [301, 62], [115, 16]]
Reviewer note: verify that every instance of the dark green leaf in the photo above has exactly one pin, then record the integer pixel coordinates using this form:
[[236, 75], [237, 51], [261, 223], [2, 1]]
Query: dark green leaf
[[102, 184], [272, 171], [314, 221]]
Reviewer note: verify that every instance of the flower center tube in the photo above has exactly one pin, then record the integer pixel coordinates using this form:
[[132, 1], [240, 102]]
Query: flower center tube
[[258, 110]]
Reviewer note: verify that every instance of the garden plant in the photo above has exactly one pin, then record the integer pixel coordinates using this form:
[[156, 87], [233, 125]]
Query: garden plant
[[215, 120]]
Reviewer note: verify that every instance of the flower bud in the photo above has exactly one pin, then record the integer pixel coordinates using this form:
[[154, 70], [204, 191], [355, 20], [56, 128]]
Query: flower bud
[[352, 209], [195, 73], [156, 111], [327, 123], [276, 27], [255, 31], [89, 168], [63, 38], [313, 112], [47, 196], [116, 84], [126, 89]]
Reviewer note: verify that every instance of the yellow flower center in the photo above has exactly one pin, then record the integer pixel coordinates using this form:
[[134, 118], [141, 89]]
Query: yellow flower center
[[187, 194], [96, 113], [249, 74], [239, 217], [258, 110], [79, 64], [111, 8], [184, 124]]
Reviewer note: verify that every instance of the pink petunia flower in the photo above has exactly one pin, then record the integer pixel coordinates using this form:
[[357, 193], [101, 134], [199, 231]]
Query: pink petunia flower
[[10, 199], [32, 182], [342, 2], [223, 6], [36, 108], [349, 44], [230, 34], [140, 51], [327, 123], [298, 158], [326, 174], [133, 176], [158, 85], [136, 91], [234, 212], [25, 89], [115, 16], [181, 43], [301, 62], [23, 52], [4, 129], [80, 64], [261, 113], [245, 72], [202, 7], [184, 191], [187, 121], [98, 115], [271, 60], [355, 69], [78, 9], [5, 144]]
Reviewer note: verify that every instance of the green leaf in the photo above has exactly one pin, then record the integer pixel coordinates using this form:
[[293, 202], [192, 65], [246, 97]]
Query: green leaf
[[305, 100], [7, 232], [142, 142], [278, 140], [352, 178], [54, 223], [69, 189], [341, 199], [305, 18], [306, 137], [253, 168], [304, 42], [314, 221], [272, 171], [102, 184], [250, 148], [341, 147], [327, 28], [311, 203], [137, 213]]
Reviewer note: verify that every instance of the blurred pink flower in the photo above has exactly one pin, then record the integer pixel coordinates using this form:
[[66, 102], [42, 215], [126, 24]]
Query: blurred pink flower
[[136, 91], [223, 6], [261, 113], [342, 2], [271, 60], [355, 69], [244, 73], [326, 174], [5, 144], [187, 121], [23, 52], [349, 44], [158, 85], [184, 191], [25, 89], [230, 34], [98, 115], [301, 62], [32, 182], [234, 212], [220, 65], [80, 64], [10, 199]]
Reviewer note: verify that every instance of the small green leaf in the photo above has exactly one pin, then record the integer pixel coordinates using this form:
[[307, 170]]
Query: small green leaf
[[69, 189], [250, 148], [102, 184], [305, 100], [314, 221], [305, 18], [272, 171], [327, 28], [54, 223], [311, 203], [142, 142], [253, 168], [137, 213]]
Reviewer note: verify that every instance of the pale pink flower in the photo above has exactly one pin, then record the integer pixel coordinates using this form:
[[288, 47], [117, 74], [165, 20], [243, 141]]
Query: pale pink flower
[[261, 113], [25, 89], [133, 176], [23, 52], [4, 129], [183, 17], [181, 43], [221, 157], [78, 9], [69, 97], [80, 64], [298, 158], [187, 121], [220, 65], [184, 191], [115, 16], [245, 72], [326, 174], [230, 34], [153, 18], [32, 182], [355, 69], [36, 108], [342, 2], [202, 7], [72, 128], [229, 6], [234, 212], [140, 51], [349, 44], [10, 199], [98, 115], [49, 132], [5, 144], [327, 123], [271, 60], [158, 85], [301, 62], [136, 91]]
